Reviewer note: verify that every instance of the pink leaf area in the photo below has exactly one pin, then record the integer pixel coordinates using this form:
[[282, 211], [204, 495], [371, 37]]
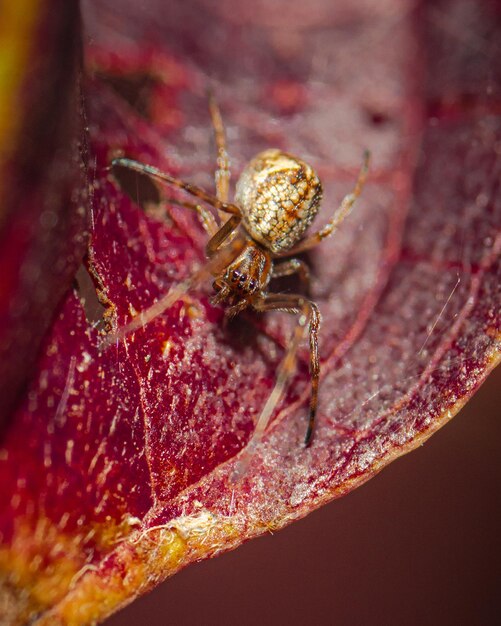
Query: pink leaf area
[[118, 467]]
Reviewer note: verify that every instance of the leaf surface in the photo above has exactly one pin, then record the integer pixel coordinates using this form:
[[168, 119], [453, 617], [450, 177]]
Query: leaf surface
[[42, 208], [117, 466]]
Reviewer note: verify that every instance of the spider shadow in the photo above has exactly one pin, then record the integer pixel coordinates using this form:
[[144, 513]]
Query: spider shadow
[[240, 330]]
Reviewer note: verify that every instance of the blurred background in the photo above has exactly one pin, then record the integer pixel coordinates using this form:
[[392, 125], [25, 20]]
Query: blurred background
[[418, 544]]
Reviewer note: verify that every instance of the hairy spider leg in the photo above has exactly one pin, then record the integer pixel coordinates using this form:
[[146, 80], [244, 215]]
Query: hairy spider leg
[[194, 190], [212, 267], [227, 207], [205, 217], [293, 266], [339, 215], [223, 174], [309, 317], [222, 234]]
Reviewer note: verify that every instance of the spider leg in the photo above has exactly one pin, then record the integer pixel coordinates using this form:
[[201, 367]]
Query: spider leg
[[235, 309], [222, 234], [309, 317], [194, 190], [206, 218], [339, 215], [221, 295], [293, 266], [223, 173], [211, 268]]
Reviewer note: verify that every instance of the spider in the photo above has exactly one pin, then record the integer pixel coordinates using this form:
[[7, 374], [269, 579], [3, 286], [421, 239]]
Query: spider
[[277, 197]]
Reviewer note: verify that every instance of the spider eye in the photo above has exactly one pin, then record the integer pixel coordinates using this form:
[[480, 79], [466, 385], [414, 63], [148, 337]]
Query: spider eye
[[252, 285]]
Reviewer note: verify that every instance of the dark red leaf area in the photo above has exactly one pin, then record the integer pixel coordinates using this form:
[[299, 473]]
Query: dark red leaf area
[[42, 215], [147, 431]]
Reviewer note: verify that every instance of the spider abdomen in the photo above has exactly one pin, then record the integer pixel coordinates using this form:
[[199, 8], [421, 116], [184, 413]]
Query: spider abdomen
[[279, 196]]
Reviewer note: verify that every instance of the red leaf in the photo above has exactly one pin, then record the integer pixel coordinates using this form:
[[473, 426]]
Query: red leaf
[[117, 466], [42, 215]]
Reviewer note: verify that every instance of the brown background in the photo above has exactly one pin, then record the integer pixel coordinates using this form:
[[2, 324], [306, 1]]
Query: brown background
[[419, 544]]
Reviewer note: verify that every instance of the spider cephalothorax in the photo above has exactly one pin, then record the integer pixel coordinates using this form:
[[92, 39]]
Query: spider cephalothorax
[[277, 197], [247, 275]]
